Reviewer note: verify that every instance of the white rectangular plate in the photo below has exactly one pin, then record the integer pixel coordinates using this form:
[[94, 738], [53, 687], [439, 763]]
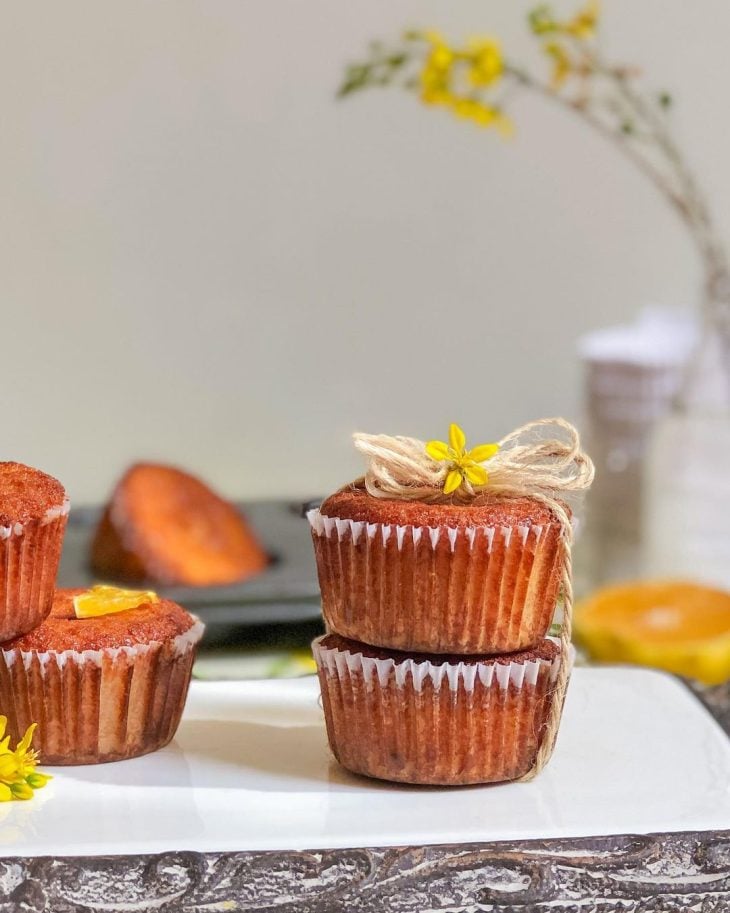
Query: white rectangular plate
[[250, 770]]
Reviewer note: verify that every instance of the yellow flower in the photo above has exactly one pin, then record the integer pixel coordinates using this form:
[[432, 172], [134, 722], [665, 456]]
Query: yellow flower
[[482, 65], [464, 464], [18, 776], [485, 62], [25, 757], [21, 790], [562, 66], [583, 25], [436, 73], [482, 114]]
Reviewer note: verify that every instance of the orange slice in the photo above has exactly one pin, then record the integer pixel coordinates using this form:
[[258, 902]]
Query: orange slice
[[680, 627], [106, 600]]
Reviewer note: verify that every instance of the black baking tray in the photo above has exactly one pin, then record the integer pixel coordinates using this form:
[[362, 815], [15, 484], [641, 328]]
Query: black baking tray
[[286, 592]]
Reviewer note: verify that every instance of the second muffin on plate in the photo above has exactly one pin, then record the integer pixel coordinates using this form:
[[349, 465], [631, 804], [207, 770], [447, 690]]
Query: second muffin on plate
[[101, 688]]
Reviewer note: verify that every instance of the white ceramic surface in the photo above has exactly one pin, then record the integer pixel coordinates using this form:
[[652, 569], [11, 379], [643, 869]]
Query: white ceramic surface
[[250, 770]]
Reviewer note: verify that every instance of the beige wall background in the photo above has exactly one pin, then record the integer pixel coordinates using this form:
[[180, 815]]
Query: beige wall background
[[206, 260]]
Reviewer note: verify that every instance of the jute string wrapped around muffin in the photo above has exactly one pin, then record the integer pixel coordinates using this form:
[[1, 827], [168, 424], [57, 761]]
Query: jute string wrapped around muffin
[[541, 460]]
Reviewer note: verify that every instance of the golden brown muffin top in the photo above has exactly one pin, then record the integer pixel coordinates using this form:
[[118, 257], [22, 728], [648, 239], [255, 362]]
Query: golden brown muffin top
[[546, 650], [27, 493], [62, 630], [485, 509]]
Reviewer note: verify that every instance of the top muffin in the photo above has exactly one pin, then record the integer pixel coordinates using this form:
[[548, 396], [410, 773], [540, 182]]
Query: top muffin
[[446, 578], [33, 515], [27, 494]]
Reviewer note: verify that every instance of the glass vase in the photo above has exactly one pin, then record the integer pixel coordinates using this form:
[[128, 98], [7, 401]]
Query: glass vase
[[686, 516]]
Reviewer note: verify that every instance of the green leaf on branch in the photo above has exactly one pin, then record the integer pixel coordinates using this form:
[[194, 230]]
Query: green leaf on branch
[[541, 20], [357, 77]]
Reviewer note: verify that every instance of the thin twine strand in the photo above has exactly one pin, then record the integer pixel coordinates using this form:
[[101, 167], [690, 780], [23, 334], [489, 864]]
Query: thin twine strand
[[525, 466], [555, 713]]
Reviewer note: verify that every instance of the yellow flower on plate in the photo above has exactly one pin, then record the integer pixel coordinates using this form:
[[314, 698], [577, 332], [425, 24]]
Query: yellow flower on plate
[[18, 776], [464, 464]]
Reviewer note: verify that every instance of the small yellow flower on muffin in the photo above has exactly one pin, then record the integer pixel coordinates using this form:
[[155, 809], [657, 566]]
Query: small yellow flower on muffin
[[463, 464]]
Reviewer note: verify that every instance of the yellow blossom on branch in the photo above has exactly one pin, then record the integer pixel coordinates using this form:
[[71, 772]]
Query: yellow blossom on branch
[[562, 66], [486, 65], [18, 776], [583, 25], [463, 464], [436, 73], [452, 78]]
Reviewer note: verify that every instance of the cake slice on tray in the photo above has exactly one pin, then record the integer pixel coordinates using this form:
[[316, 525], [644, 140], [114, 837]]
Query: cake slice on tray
[[166, 526]]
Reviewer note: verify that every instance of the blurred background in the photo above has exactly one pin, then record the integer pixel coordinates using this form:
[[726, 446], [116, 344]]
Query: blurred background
[[210, 261], [207, 260]]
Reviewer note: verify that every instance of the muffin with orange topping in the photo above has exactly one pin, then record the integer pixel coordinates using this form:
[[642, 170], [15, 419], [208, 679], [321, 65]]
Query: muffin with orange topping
[[33, 514], [105, 676]]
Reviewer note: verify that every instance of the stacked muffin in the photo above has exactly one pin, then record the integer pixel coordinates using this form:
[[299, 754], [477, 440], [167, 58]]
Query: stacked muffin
[[104, 673], [436, 667]]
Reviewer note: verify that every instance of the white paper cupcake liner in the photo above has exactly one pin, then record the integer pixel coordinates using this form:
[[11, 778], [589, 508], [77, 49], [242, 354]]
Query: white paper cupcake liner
[[29, 557], [419, 721], [427, 589], [93, 706], [461, 675]]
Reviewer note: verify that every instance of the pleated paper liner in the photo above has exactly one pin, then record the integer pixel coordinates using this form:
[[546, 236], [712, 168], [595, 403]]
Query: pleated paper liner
[[103, 705], [428, 721], [29, 556], [438, 589]]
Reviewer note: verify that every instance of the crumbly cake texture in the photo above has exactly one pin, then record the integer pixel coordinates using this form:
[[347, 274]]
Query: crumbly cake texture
[[459, 723], [484, 509], [62, 630], [166, 526], [438, 578], [27, 494], [101, 689]]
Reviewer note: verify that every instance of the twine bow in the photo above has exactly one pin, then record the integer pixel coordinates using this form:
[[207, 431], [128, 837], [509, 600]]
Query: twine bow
[[541, 460]]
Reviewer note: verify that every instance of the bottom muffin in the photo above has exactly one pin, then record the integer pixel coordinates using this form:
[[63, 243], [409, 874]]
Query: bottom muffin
[[432, 719], [102, 688]]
